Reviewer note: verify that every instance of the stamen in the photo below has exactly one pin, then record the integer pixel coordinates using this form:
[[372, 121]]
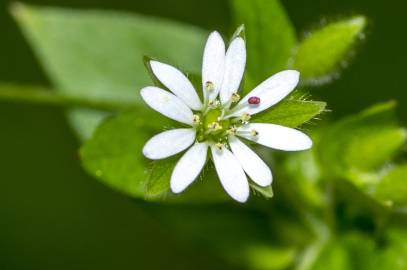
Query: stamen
[[196, 120], [219, 146], [254, 100], [214, 104], [209, 86], [214, 126], [254, 133], [245, 117], [235, 97], [231, 131]]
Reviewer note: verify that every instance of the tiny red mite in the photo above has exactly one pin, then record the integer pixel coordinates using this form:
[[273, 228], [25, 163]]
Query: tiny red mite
[[254, 100]]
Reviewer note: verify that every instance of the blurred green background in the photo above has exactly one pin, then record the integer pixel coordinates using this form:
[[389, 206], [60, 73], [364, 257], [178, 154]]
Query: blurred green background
[[53, 216]]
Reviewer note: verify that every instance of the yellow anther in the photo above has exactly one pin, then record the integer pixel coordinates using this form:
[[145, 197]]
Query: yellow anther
[[214, 126], [254, 133], [209, 86], [231, 131], [214, 103], [219, 146], [196, 119], [235, 97], [245, 117]]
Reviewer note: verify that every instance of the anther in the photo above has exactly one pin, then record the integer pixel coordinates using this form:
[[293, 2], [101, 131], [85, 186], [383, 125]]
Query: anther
[[254, 133], [235, 97], [196, 119], [231, 131], [214, 126], [245, 117], [219, 146], [214, 103], [209, 86], [254, 100]]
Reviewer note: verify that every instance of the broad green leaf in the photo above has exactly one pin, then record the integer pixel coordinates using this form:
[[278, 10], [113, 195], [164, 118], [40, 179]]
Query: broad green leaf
[[100, 53], [270, 37], [392, 187], [114, 156], [291, 113], [321, 53], [158, 182], [357, 146]]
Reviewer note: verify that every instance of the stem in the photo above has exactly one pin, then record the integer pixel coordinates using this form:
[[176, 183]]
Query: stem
[[43, 96]]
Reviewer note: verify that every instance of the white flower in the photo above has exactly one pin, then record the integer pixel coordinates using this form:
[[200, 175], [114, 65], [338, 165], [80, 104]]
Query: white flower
[[220, 120]]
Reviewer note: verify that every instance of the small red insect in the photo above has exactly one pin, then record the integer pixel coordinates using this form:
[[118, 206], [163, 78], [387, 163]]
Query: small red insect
[[254, 100]]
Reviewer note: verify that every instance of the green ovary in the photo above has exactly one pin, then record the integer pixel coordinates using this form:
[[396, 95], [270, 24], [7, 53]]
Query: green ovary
[[211, 129]]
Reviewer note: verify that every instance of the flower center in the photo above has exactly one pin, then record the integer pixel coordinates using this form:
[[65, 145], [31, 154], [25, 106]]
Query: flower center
[[211, 127]]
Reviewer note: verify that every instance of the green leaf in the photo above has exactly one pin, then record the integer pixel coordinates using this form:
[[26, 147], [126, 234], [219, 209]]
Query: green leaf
[[291, 113], [158, 182], [358, 146], [82, 60], [392, 187], [270, 37], [114, 156], [320, 54]]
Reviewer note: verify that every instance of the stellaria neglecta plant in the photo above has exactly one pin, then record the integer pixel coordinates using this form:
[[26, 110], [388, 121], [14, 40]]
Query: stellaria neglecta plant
[[220, 120]]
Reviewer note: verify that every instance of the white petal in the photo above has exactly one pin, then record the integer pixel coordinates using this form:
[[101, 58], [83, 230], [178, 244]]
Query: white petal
[[277, 137], [188, 167], [231, 174], [234, 68], [270, 92], [169, 143], [177, 83], [252, 164], [213, 64], [167, 104]]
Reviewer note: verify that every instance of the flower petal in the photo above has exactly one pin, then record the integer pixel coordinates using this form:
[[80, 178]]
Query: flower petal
[[177, 83], [167, 104], [231, 174], [252, 164], [213, 64], [188, 167], [277, 137], [270, 92], [169, 143], [234, 68]]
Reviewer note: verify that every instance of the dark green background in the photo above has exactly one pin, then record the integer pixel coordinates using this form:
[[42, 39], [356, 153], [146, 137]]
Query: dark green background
[[53, 216]]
